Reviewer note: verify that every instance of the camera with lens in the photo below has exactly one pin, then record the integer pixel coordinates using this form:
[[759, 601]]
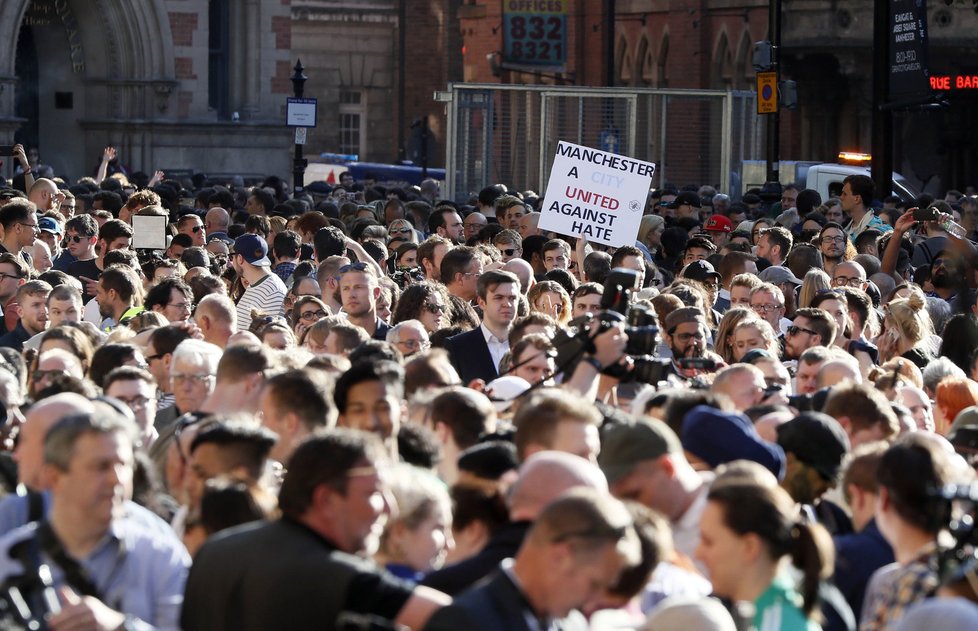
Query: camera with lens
[[405, 276], [640, 326]]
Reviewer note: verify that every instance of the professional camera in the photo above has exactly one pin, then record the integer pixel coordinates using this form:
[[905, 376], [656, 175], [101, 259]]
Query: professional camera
[[405, 276], [640, 364], [956, 508]]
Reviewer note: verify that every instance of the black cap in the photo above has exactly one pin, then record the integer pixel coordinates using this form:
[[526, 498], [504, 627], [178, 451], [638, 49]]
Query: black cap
[[699, 270], [817, 440], [686, 197]]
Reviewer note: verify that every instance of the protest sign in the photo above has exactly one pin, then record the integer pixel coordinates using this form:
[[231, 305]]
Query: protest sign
[[595, 194]]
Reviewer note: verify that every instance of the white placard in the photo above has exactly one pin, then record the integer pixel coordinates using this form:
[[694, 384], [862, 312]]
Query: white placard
[[595, 194], [148, 232], [300, 112]]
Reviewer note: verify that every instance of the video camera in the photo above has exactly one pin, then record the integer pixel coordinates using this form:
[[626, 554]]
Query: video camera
[[955, 506], [643, 335]]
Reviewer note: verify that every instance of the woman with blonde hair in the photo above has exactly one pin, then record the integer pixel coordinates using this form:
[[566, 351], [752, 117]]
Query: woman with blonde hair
[[550, 298], [816, 280], [906, 330], [754, 333], [402, 231], [723, 342], [650, 230]]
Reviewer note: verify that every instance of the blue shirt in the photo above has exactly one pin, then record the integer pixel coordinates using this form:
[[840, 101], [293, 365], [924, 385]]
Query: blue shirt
[[138, 567]]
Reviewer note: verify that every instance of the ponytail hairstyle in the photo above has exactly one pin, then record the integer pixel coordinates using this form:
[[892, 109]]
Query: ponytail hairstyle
[[909, 317], [770, 513]]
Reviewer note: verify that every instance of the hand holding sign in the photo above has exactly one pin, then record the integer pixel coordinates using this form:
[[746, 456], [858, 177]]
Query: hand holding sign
[[596, 195]]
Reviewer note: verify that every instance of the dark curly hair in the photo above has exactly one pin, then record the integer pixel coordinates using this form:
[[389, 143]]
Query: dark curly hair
[[413, 299]]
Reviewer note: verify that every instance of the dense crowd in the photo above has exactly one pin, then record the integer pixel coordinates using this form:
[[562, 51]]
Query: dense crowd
[[363, 406]]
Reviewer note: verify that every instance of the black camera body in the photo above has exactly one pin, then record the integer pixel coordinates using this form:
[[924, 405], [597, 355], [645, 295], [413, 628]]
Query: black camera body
[[405, 276], [643, 335]]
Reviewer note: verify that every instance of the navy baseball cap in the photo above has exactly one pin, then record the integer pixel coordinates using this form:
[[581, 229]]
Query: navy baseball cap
[[253, 248], [47, 224]]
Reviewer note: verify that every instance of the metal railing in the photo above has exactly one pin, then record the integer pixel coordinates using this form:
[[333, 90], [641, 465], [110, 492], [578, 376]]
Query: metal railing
[[508, 133]]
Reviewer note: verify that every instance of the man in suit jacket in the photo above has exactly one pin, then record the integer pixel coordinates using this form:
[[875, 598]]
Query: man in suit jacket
[[476, 354], [573, 552]]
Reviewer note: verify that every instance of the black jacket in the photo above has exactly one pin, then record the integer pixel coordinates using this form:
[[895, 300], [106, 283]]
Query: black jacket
[[470, 356]]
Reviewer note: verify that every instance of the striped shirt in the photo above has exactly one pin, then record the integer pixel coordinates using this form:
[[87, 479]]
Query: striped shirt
[[266, 295]]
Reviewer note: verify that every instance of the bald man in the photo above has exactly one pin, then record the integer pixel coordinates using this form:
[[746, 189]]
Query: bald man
[[542, 478], [523, 271], [45, 195], [836, 371], [216, 222], [30, 505], [217, 319]]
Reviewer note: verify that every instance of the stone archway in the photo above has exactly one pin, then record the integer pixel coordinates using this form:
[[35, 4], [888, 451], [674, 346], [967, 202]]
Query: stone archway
[[108, 60]]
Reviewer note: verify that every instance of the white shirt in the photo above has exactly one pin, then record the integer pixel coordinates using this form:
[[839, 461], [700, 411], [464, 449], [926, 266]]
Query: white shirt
[[686, 529], [497, 347]]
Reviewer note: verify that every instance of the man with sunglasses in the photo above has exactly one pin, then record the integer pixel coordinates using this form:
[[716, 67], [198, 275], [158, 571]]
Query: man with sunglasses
[[113, 235], [19, 221], [266, 291], [811, 327], [192, 226], [510, 245], [473, 223]]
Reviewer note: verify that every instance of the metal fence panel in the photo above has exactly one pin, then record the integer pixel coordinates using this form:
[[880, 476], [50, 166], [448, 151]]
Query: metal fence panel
[[508, 134]]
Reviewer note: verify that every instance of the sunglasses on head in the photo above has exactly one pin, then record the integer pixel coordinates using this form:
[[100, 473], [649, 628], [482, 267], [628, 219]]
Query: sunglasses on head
[[356, 267]]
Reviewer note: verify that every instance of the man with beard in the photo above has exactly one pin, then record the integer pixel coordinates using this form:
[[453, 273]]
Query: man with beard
[[686, 333], [832, 245], [116, 295]]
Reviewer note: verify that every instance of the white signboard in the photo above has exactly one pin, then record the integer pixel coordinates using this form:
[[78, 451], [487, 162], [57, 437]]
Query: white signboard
[[300, 112], [595, 194], [148, 232]]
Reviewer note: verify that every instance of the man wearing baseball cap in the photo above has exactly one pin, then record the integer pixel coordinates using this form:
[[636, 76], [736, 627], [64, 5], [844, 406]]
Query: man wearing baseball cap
[[50, 232], [644, 461], [266, 291], [718, 228], [686, 204]]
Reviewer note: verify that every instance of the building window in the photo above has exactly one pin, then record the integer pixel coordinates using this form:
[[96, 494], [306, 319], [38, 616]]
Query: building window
[[352, 116], [219, 45]]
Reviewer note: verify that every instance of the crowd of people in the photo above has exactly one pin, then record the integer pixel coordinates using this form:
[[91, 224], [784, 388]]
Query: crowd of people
[[367, 407]]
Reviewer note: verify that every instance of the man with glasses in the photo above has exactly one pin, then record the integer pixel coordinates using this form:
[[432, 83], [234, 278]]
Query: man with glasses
[[137, 389], [767, 301], [19, 221], [460, 271], [686, 333], [409, 337], [510, 245], [192, 226], [832, 245], [850, 274], [811, 327], [172, 298], [473, 223], [13, 274], [359, 291], [266, 291]]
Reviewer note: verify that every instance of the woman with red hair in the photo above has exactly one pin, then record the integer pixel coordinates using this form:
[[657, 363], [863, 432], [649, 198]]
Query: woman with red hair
[[952, 395]]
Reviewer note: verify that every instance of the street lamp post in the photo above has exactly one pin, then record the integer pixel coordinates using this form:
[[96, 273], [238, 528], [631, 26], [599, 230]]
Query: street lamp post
[[298, 163]]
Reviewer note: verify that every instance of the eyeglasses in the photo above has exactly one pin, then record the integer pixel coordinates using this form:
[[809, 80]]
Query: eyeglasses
[[196, 379], [433, 308], [77, 238], [854, 281], [47, 374], [828, 240], [356, 267], [415, 344], [685, 337], [196, 229], [939, 261], [32, 226], [765, 308], [312, 315], [401, 231], [135, 403], [508, 251], [266, 320], [795, 330], [182, 306], [9, 276]]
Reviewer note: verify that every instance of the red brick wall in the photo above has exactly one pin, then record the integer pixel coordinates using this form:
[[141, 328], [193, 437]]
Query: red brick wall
[[282, 27], [182, 27], [280, 82], [184, 67]]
